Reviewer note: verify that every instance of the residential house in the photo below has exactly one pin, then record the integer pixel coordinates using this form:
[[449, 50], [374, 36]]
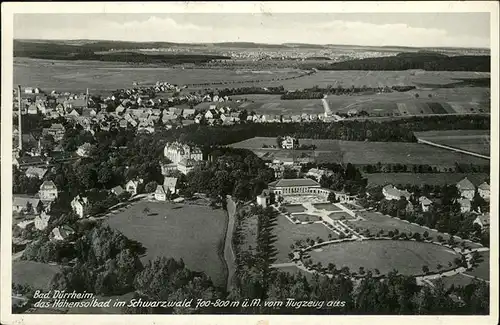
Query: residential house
[[392, 193], [160, 194], [74, 113], [264, 199], [425, 203], [482, 220], [32, 109], [318, 173], [209, 114], [188, 112], [35, 172], [289, 142], [123, 124], [56, 130], [42, 221], [465, 205], [21, 203], [484, 191], [61, 233], [170, 184], [186, 165], [84, 150], [466, 188], [48, 191], [133, 186], [120, 109], [80, 205]]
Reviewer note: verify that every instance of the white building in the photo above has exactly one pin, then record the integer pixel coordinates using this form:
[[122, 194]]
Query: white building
[[392, 193], [288, 142], [133, 186], [48, 191], [177, 152], [42, 221], [160, 194], [425, 203], [80, 205], [484, 191], [466, 188], [482, 220]]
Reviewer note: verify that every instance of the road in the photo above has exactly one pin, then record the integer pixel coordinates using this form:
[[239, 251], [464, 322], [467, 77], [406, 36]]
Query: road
[[229, 255], [430, 143]]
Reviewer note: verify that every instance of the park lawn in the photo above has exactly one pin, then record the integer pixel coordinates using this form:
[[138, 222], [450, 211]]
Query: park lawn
[[326, 206], [407, 257], [292, 208], [306, 217], [193, 233], [35, 274], [340, 216], [482, 271], [456, 280], [287, 233]]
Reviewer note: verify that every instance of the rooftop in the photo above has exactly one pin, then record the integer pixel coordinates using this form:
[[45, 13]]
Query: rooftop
[[294, 182]]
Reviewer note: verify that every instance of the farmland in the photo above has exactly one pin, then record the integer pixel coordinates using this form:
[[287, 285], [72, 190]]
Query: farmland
[[381, 179], [477, 141], [36, 275], [361, 153], [407, 257], [193, 233]]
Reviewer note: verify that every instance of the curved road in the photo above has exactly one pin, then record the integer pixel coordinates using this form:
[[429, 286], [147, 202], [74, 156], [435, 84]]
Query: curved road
[[229, 255]]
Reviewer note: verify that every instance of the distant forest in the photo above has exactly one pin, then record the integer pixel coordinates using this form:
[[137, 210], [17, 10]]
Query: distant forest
[[421, 60], [87, 51]]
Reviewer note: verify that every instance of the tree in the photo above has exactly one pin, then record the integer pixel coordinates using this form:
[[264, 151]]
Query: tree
[[146, 211], [151, 187], [425, 269]]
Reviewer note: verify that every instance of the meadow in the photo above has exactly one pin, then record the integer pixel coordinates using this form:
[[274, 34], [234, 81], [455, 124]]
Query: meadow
[[287, 233], [360, 152], [193, 233], [477, 141], [407, 257], [35, 274], [381, 179], [482, 270]]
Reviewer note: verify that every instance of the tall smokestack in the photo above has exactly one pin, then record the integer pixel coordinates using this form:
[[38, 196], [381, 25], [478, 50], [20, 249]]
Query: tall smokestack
[[19, 117]]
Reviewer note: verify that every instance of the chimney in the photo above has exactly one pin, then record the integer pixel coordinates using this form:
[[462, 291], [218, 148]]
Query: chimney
[[19, 117]]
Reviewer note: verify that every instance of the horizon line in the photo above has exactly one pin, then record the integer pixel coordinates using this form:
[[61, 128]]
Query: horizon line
[[257, 43]]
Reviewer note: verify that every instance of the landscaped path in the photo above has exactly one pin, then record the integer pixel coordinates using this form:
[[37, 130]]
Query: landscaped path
[[229, 255]]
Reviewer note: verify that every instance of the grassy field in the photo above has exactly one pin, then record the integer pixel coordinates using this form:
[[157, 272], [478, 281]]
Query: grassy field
[[326, 206], [407, 257], [36, 275], [423, 178], [340, 216], [294, 208], [482, 271], [306, 217], [472, 140], [101, 76], [360, 152], [456, 280], [193, 233], [287, 233]]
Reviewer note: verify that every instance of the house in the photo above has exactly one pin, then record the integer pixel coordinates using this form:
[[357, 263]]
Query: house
[[80, 205], [61, 233], [74, 113], [264, 199], [133, 186], [186, 165], [84, 150], [176, 152], [117, 190], [37, 172], [170, 184], [160, 194], [482, 220], [392, 193], [48, 191], [32, 109], [119, 109], [123, 124], [465, 205], [188, 112], [484, 190], [425, 203], [21, 203], [42, 221], [318, 173], [289, 142], [466, 188], [56, 130]]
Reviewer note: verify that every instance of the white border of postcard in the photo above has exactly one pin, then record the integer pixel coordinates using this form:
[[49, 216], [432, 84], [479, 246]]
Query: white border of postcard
[[9, 9]]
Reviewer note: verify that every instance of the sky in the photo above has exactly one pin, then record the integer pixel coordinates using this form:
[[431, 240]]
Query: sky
[[370, 29]]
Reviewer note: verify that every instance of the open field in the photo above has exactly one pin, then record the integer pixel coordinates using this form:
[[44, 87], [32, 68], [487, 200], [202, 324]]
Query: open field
[[36, 275], [361, 153], [381, 179], [294, 208], [287, 233], [472, 140], [193, 233], [407, 257], [101, 76]]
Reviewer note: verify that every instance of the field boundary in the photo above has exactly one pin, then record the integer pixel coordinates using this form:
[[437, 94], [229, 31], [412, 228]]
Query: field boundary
[[419, 140]]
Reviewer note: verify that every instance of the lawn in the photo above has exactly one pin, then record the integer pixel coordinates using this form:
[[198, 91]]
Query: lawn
[[455, 280], [294, 208], [483, 269], [340, 216], [423, 178], [287, 233], [306, 217], [407, 257], [193, 233], [36, 275], [326, 206]]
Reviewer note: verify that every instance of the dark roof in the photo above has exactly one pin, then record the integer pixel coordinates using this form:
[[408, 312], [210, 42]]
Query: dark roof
[[294, 182]]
